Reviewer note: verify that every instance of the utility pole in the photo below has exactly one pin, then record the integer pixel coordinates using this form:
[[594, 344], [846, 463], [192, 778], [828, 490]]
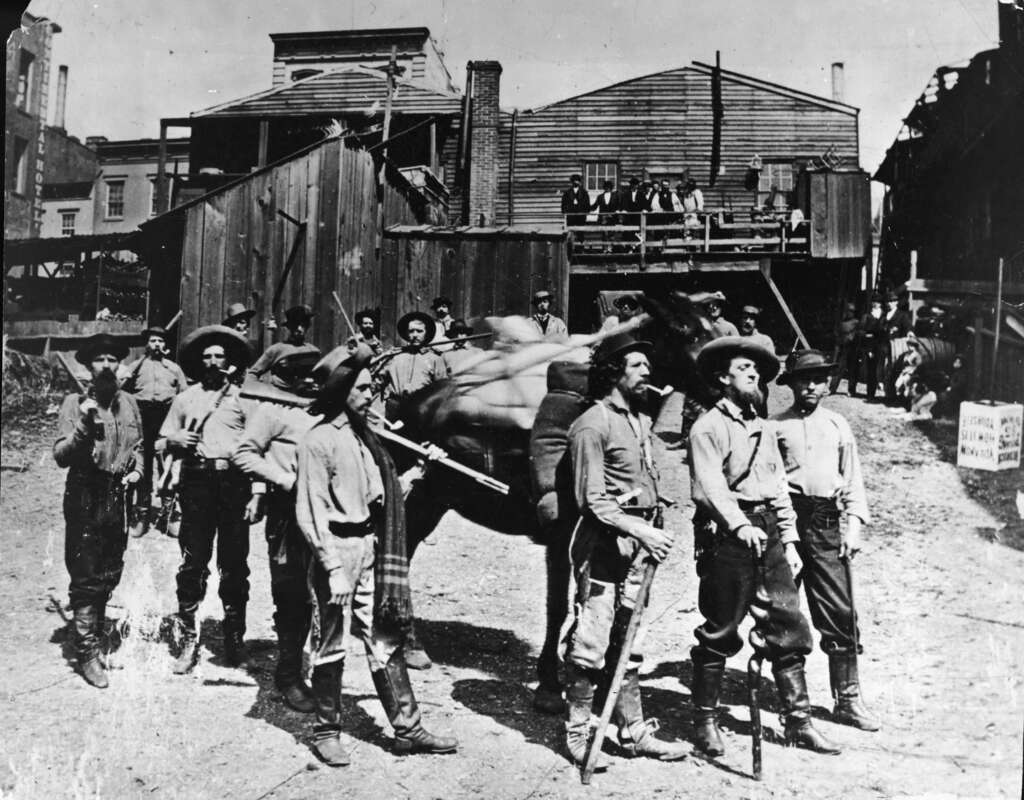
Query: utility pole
[[392, 70]]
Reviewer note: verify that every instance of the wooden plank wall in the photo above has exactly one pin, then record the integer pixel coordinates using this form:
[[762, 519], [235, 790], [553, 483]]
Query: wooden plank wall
[[484, 274], [235, 242], [663, 123]]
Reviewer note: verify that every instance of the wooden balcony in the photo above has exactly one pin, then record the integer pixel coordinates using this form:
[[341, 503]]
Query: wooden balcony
[[657, 240]]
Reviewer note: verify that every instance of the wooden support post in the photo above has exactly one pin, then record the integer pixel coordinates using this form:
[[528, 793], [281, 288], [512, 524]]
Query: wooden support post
[[643, 240], [261, 156], [978, 356], [385, 133], [162, 194], [433, 150], [512, 168], [707, 233], [766, 271], [999, 321]]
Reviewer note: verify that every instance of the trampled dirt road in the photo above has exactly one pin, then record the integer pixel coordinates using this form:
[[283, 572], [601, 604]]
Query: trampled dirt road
[[943, 631]]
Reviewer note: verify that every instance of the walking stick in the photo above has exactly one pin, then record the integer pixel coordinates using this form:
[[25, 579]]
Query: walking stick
[[759, 607], [620, 671]]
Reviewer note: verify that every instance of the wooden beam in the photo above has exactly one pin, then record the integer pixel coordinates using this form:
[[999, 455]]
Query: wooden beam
[[264, 143], [161, 170], [663, 267], [766, 270]]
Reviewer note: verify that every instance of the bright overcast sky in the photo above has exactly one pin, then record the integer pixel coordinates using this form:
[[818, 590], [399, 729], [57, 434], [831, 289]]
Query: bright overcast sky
[[134, 61]]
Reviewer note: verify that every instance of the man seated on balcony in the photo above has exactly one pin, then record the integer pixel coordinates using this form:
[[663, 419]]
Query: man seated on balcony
[[575, 202]]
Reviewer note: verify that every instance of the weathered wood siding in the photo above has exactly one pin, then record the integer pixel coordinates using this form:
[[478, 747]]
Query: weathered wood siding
[[840, 204], [236, 243], [484, 271], [663, 123]]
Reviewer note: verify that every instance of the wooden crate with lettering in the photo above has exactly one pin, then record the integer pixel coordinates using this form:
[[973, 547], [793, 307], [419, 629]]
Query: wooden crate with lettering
[[990, 435]]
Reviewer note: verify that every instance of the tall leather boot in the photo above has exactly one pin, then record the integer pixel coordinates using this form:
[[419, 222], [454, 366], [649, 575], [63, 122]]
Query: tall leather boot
[[291, 636], [579, 700], [849, 708], [707, 684], [396, 695], [796, 712], [188, 653], [636, 734], [327, 701], [87, 647], [235, 651]]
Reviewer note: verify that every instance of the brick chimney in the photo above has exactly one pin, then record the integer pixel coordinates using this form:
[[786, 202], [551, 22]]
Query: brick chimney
[[483, 141]]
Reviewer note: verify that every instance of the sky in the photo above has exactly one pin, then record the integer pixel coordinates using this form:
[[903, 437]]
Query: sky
[[134, 61]]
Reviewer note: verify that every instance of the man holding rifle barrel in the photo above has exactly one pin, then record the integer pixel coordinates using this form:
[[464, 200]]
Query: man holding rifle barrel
[[739, 482], [611, 455], [202, 430]]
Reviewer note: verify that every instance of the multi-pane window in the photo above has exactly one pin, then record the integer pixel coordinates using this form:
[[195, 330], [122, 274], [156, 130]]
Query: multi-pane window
[[20, 165], [775, 186], [595, 173], [67, 223], [115, 200], [25, 68]]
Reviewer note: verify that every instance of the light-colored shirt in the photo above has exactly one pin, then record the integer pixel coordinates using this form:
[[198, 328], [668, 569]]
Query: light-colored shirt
[[820, 457], [722, 327], [611, 454], [267, 449], [458, 355], [157, 380], [734, 457], [276, 351], [408, 372], [552, 329], [120, 446], [762, 339], [338, 482], [221, 429]]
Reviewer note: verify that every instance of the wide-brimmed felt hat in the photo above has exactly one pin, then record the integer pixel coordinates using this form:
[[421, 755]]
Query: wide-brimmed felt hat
[[190, 353], [403, 324], [372, 313], [336, 373], [237, 311], [101, 344], [459, 326], [626, 299], [441, 301], [543, 294], [292, 366], [715, 357], [805, 361], [576, 178], [154, 330], [619, 345], [716, 297], [301, 314]]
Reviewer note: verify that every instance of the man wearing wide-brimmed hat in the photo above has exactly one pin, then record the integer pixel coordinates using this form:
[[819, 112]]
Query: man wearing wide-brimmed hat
[[612, 455], [297, 320], [720, 326], [153, 380], [738, 481], [237, 317], [99, 440], [351, 510], [548, 326], [416, 366], [825, 483], [266, 453], [462, 350], [202, 429]]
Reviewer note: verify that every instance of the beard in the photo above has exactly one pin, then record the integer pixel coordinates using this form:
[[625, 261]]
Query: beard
[[104, 386], [213, 377], [752, 397]]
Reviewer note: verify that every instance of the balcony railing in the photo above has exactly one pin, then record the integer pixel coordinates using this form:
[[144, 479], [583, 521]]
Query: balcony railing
[[647, 237]]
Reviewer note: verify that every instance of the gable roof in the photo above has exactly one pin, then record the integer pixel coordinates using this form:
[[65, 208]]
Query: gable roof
[[727, 75], [351, 89]]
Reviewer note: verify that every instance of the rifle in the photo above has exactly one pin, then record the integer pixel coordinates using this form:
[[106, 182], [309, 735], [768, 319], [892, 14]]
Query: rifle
[[759, 608], [168, 490]]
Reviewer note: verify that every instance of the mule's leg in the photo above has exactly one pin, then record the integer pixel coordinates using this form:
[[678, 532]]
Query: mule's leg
[[548, 696], [423, 512]]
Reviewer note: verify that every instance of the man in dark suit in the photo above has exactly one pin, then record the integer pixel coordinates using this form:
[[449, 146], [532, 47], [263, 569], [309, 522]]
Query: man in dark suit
[[633, 201], [576, 202], [606, 205]]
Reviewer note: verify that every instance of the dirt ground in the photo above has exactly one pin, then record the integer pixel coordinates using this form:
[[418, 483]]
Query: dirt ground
[[943, 631]]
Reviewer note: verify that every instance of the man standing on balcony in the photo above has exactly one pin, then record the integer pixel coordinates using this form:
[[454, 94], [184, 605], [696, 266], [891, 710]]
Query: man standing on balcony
[[550, 327], [575, 202]]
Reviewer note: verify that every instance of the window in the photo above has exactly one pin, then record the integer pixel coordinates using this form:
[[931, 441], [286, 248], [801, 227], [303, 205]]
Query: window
[[67, 223], [20, 165], [115, 200], [25, 71], [775, 186], [595, 173], [302, 74]]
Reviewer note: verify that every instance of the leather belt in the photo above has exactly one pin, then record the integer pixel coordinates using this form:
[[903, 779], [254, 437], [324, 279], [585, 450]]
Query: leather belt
[[345, 529], [755, 506]]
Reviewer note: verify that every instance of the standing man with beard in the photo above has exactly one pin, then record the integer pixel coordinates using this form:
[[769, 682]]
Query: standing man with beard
[[266, 453], [823, 472], [350, 508], [99, 439], [297, 320], [738, 481], [748, 330], [368, 325], [612, 455], [415, 367], [550, 327], [202, 428], [154, 381]]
